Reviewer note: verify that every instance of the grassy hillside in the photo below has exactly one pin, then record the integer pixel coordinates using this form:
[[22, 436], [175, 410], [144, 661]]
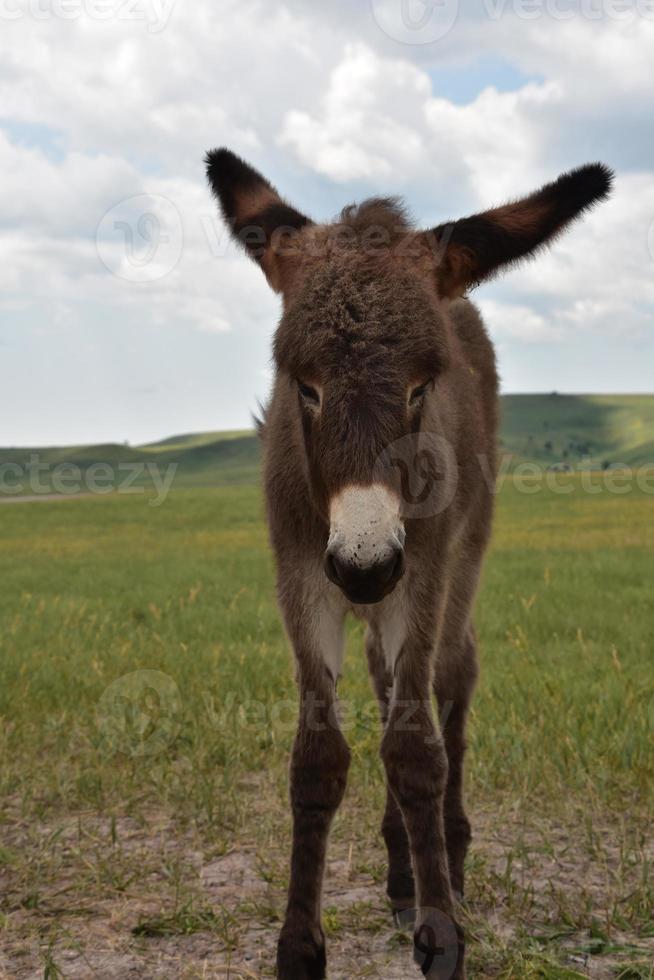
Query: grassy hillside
[[588, 431], [579, 429], [194, 460]]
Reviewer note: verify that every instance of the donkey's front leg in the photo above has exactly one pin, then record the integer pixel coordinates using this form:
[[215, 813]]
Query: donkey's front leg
[[399, 884], [319, 767], [416, 767]]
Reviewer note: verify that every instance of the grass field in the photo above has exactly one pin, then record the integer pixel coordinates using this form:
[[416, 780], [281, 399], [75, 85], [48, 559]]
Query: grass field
[[143, 819]]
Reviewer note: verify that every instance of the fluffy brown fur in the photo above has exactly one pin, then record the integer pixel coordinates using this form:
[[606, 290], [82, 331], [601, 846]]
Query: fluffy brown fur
[[370, 312]]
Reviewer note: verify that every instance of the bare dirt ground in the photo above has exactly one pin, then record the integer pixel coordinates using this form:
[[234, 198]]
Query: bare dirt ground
[[133, 898]]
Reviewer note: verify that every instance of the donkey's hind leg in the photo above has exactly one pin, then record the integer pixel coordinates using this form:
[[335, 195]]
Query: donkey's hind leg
[[416, 766], [399, 887], [453, 685]]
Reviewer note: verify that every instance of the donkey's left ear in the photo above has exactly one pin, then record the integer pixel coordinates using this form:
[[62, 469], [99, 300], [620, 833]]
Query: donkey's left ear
[[476, 248], [261, 221]]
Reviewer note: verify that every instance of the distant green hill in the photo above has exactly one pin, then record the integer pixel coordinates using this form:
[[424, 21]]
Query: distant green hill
[[588, 431], [204, 459]]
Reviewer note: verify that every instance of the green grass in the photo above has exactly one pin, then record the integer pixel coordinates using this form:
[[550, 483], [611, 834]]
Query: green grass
[[96, 813]]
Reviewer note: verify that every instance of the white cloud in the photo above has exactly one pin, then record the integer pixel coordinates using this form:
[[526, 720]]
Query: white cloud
[[369, 123], [515, 322], [593, 59], [212, 75]]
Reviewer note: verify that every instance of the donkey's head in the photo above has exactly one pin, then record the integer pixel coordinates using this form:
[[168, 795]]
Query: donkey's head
[[365, 350]]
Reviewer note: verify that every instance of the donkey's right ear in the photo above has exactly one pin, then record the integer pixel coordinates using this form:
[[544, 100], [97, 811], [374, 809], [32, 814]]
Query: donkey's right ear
[[476, 248], [264, 224]]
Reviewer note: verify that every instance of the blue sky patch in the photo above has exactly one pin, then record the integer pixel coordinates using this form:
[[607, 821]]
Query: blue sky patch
[[464, 83]]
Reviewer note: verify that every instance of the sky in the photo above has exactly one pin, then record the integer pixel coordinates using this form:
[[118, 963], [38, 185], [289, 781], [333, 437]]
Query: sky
[[126, 313]]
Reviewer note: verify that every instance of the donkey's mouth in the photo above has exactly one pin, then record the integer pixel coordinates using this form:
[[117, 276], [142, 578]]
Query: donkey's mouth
[[365, 584]]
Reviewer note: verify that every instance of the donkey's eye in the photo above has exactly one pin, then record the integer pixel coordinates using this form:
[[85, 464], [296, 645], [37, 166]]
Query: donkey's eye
[[309, 394], [417, 394]]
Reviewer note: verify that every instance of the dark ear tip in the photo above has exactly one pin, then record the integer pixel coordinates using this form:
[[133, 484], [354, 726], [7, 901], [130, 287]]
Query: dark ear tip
[[596, 180], [221, 163], [603, 176]]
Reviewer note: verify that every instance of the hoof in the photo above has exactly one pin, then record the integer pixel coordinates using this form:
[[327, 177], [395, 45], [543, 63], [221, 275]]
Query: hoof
[[300, 956], [438, 946]]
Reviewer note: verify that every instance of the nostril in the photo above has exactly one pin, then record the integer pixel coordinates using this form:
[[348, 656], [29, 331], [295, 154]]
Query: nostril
[[331, 569], [394, 567], [398, 566]]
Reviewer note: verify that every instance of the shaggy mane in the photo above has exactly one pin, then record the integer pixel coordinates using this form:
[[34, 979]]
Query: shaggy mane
[[385, 213]]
